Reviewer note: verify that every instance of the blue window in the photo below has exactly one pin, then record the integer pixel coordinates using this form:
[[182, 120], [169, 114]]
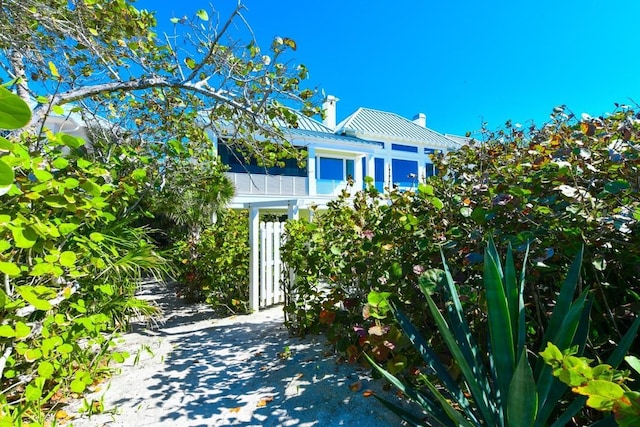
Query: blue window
[[331, 168], [429, 170], [407, 148], [379, 173], [404, 172]]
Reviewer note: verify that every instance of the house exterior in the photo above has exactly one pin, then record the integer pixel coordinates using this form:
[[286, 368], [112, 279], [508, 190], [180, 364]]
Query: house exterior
[[392, 150]]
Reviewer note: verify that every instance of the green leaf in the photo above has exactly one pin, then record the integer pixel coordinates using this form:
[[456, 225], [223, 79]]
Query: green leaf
[[77, 386], [9, 268], [174, 20], [66, 228], [24, 237], [139, 174], [466, 211], [22, 330], [46, 369], [53, 69], [6, 175], [7, 331], [60, 163], [437, 203], [634, 362], [43, 175], [500, 329], [14, 112], [32, 393], [601, 394], [72, 142], [67, 258], [522, 400], [202, 14], [616, 186], [29, 296], [191, 64], [65, 348]]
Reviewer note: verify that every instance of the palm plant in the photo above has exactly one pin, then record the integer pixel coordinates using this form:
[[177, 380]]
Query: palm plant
[[501, 388]]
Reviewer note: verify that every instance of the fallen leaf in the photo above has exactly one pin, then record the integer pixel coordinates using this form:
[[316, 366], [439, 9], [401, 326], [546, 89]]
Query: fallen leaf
[[60, 415], [356, 386], [368, 393], [264, 401], [235, 410]]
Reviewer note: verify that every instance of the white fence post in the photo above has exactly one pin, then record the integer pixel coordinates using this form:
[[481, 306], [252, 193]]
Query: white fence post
[[254, 259]]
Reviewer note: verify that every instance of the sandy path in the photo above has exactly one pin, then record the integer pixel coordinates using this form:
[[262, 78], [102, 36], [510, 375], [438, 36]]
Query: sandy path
[[228, 372]]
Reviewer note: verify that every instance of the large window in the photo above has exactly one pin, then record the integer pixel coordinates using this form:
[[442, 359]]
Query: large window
[[238, 163], [379, 173], [334, 169], [404, 172]]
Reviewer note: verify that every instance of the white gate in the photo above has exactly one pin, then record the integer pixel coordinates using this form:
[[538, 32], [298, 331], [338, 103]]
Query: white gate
[[271, 291]]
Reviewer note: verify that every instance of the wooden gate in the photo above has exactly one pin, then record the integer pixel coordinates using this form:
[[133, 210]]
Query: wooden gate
[[271, 291]]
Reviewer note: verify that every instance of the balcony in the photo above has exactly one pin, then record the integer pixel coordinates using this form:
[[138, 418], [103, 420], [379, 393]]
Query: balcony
[[268, 185]]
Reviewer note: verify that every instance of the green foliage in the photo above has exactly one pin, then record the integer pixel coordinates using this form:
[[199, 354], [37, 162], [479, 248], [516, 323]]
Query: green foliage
[[216, 269], [568, 184], [498, 385], [71, 263], [604, 387]]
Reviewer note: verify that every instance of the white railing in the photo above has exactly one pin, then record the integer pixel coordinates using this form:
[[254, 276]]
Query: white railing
[[271, 291], [273, 185]]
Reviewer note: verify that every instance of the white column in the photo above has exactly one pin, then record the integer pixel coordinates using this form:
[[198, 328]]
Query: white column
[[254, 260], [311, 171], [293, 211], [357, 171]]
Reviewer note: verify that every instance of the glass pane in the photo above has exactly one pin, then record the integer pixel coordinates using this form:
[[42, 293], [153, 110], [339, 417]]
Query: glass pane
[[404, 172], [330, 168]]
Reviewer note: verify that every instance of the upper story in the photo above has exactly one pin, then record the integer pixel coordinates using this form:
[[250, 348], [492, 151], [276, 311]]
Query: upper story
[[392, 150]]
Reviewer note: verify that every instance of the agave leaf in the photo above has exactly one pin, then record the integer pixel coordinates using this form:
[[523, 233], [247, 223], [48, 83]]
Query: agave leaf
[[522, 400], [460, 328], [522, 323], [429, 357], [404, 414], [623, 346], [500, 332], [512, 291], [470, 372], [434, 410], [564, 301], [549, 388]]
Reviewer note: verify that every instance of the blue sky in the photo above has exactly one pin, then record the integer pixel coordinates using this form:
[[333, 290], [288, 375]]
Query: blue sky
[[459, 62]]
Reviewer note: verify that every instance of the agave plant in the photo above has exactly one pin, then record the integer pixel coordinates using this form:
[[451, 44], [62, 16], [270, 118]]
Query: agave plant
[[499, 387]]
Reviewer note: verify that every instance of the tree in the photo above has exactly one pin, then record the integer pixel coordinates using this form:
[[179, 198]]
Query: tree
[[105, 58]]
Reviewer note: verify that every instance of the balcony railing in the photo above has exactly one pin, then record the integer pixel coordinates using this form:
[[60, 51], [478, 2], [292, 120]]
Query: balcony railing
[[268, 185]]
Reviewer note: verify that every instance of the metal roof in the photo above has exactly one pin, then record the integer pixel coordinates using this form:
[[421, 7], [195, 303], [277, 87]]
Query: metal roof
[[373, 124], [331, 137]]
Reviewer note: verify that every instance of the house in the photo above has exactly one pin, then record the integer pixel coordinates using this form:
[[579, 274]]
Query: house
[[392, 150], [388, 148]]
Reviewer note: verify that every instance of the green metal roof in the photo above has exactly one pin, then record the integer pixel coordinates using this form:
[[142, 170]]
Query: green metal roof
[[381, 125]]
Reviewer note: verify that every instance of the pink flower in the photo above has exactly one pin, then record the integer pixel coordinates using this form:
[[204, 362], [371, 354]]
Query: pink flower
[[418, 269]]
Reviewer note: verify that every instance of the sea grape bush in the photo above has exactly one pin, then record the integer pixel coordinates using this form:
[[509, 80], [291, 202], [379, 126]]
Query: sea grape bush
[[219, 272], [571, 182], [71, 262]]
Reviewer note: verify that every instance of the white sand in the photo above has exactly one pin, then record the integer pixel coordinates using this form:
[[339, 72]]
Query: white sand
[[229, 372]]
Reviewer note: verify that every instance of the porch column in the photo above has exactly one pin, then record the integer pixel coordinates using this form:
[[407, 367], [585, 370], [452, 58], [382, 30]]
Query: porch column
[[294, 210], [311, 171], [254, 259]]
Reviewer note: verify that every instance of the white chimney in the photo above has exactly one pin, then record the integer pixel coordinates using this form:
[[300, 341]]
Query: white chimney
[[329, 109], [420, 119]]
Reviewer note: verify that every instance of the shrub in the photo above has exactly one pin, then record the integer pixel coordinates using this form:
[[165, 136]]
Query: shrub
[[502, 388], [570, 183], [217, 270]]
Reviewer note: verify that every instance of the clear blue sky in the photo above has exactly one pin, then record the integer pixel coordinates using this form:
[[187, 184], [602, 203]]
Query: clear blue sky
[[459, 62]]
